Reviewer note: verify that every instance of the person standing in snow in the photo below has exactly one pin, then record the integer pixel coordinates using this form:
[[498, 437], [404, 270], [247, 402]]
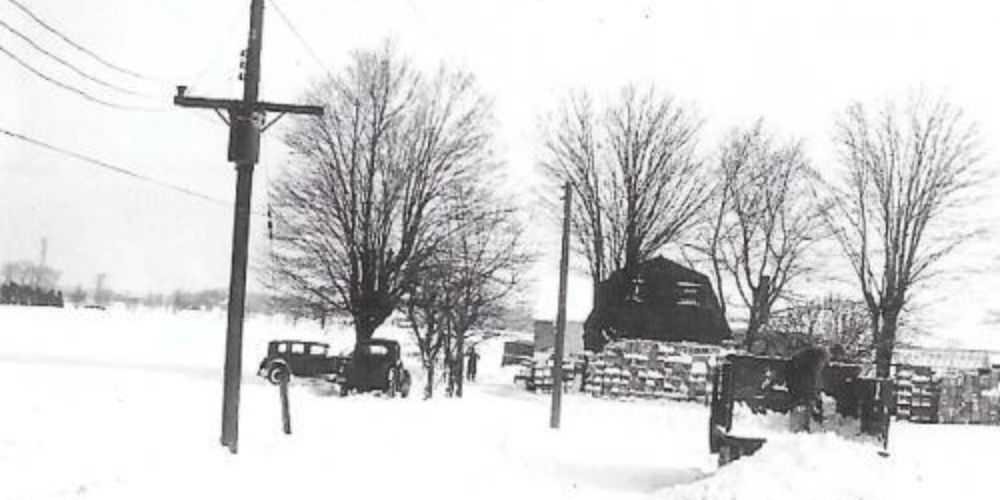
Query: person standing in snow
[[804, 378], [470, 369]]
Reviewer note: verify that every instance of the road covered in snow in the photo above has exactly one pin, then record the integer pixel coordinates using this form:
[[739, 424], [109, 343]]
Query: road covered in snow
[[125, 405]]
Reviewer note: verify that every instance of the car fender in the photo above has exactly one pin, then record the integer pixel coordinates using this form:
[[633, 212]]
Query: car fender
[[271, 364], [265, 366]]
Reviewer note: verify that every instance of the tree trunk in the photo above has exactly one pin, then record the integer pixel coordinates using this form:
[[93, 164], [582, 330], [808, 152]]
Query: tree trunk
[[631, 254], [759, 310], [885, 342], [364, 330], [459, 363], [368, 319], [429, 386], [449, 366], [598, 256], [763, 302], [752, 327]]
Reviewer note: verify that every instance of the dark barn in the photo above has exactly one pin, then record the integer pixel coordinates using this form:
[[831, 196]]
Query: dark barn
[[662, 300]]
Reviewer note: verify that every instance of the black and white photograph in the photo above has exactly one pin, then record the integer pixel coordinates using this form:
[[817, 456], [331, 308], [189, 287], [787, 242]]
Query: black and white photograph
[[497, 250]]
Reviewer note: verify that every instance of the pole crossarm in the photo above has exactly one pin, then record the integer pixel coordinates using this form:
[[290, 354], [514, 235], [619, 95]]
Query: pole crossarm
[[185, 101], [207, 103], [295, 109]]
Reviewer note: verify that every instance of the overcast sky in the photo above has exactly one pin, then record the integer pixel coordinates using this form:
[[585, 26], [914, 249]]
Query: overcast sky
[[795, 63]]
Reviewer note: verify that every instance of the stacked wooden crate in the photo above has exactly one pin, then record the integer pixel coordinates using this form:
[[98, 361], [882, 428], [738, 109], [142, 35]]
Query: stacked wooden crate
[[971, 397], [603, 376], [644, 369], [537, 374], [541, 376], [918, 394], [698, 379], [904, 393], [979, 403], [610, 373], [634, 375], [951, 399], [969, 411], [989, 397], [924, 403], [678, 367], [991, 400]]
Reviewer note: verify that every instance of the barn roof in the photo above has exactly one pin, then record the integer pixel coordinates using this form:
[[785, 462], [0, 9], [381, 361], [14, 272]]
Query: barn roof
[[657, 300]]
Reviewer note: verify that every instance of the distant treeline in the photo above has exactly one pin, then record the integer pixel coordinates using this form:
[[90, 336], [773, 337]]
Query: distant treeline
[[179, 300], [27, 295]]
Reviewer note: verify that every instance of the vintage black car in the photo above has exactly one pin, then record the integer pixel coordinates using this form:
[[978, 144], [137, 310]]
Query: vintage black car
[[373, 366], [376, 366], [300, 358]]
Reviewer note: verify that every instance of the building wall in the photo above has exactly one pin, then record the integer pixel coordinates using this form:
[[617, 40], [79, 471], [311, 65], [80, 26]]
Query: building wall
[[545, 337]]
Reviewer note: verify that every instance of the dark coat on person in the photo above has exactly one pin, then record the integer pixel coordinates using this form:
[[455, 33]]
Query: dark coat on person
[[804, 375]]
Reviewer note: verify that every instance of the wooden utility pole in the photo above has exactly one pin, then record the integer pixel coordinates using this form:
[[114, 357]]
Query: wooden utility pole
[[557, 371], [245, 118]]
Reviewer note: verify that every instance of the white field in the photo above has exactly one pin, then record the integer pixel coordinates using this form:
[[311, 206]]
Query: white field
[[126, 405]]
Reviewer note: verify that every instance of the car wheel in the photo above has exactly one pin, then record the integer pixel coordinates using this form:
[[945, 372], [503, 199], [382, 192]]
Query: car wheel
[[277, 373]]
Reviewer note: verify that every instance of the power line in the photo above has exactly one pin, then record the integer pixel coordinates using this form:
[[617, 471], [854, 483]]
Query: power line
[[302, 40], [224, 49], [113, 168], [70, 65], [79, 47], [70, 88], [423, 22]]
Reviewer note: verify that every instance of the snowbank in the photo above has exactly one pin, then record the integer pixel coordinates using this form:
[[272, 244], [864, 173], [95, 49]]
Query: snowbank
[[124, 405], [805, 466], [772, 424], [836, 462]]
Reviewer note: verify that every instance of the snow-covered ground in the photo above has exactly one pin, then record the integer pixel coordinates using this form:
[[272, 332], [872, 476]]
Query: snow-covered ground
[[125, 405]]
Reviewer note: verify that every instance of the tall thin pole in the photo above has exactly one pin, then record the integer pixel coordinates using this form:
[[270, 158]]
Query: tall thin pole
[[241, 232], [237, 298], [557, 371], [245, 120]]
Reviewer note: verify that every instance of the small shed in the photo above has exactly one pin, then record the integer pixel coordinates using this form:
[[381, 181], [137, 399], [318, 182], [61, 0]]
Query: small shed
[[545, 337]]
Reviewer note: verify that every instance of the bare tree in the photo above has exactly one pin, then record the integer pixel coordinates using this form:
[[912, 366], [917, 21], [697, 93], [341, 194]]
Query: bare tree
[[637, 183], [841, 325], [765, 219], [28, 273], [906, 169], [357, 210], [427, 319], [468, 281]]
